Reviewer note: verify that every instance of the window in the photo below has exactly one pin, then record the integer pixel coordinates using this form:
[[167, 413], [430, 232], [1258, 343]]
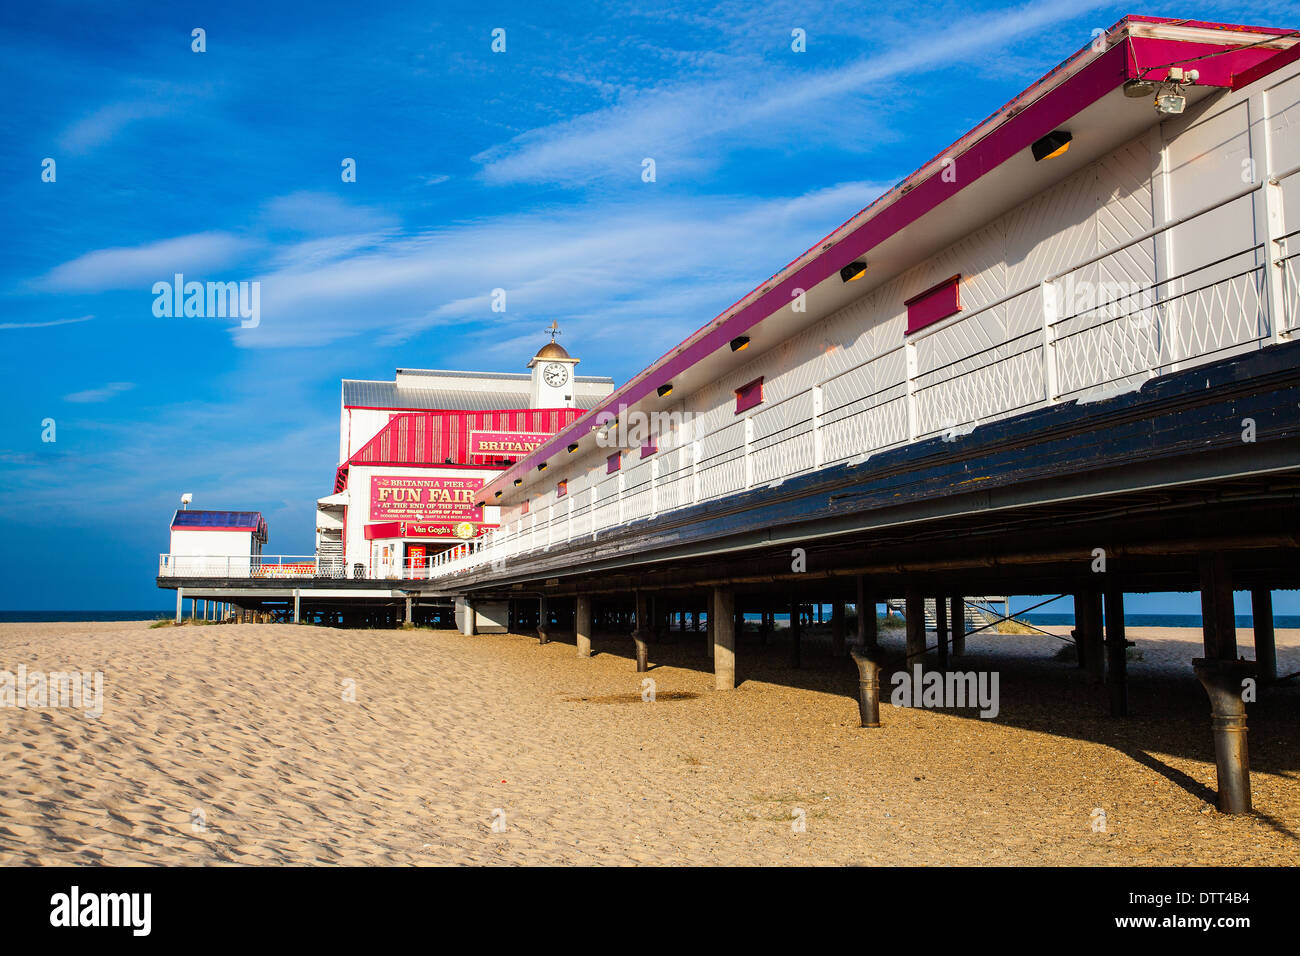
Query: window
[[749, 395], [523, 510], [613, 463], [561, 489], [650, 446], [934, 304]]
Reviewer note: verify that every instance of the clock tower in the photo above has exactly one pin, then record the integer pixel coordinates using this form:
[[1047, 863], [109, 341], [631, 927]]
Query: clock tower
[[553, 370]]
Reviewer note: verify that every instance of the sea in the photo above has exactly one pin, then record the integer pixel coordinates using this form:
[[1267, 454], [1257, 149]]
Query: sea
[[78, 617], [1157, 620], [1033, 617]]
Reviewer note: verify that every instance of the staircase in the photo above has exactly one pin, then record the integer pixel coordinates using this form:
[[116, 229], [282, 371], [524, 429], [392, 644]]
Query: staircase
[[980, 611]]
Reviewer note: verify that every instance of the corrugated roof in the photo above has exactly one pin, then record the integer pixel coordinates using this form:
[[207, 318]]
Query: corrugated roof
[[496, 376], [505, 394]]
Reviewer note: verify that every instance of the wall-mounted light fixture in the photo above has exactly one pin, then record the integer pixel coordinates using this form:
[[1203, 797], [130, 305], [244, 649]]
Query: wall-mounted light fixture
[[665, 390], [497, 495], [573, 448], [518, 482], [740, 343], [853, 271], [542, 466], [1052, 145]]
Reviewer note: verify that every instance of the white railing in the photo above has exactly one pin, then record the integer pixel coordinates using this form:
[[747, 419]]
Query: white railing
[[248, 566], [1031, 348], [311, 565]]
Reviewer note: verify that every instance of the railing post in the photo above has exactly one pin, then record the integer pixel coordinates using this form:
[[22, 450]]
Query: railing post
[[654, 486], [909, 353], [1269, 210], [749, 460], [568, 532], [819, 455], [1051, 314], [1164, 309], [621, 483], [695, 471]]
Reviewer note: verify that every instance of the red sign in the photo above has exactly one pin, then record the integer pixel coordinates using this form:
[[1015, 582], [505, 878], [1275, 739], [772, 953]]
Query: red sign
[[434, 500], [506, 444], [420, 529]]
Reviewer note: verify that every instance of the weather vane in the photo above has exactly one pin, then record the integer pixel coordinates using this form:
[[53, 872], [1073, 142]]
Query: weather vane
[[553, 328]]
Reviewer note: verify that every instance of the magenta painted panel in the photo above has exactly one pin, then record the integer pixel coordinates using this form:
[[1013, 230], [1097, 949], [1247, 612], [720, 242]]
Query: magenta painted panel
[[749, 395], [935, 303], [613, 463], [649, 448]]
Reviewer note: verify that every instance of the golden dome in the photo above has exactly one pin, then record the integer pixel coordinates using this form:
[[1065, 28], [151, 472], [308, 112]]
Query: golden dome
[[552, 350]]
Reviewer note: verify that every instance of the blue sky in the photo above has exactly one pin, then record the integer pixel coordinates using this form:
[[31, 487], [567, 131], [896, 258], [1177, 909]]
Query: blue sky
[[475, 170]]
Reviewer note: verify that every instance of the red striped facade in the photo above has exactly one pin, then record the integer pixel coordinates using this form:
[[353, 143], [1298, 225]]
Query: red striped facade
[[432, 438]]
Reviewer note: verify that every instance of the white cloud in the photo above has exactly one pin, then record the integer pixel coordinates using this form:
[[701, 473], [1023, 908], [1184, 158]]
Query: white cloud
[[675, 126], [126, 267], [92, 395], [675, 264], [322, 214], [44, 325], [105, 122]]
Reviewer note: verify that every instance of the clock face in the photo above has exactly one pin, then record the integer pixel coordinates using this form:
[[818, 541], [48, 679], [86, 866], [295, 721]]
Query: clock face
[[555, 375]]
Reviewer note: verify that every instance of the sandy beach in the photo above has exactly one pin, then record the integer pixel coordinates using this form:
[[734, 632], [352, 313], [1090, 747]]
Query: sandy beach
[[282, 744]]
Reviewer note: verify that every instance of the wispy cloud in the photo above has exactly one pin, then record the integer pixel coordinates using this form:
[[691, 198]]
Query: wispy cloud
[[668, 266], [105, 122], [44, 325], [92, 395], [766, 106], [127, 267]]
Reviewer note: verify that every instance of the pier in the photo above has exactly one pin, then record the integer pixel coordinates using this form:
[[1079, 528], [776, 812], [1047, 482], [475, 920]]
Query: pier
[[1059, 359]]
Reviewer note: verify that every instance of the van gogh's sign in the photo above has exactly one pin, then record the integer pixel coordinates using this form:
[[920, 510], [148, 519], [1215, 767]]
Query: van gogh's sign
[[506, 444], [425, 500]]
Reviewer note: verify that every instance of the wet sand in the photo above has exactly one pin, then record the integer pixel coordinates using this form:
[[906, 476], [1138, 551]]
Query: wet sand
[[234, 744]]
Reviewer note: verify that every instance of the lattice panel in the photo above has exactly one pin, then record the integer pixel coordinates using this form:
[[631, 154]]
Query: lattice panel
[[876, 426], [1291, 303], [1009, 378], [722, 466], [1120, 350], [1225, 314]]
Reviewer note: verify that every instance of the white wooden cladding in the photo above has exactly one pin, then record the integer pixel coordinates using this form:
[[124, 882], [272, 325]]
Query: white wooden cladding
[[1170, 251]]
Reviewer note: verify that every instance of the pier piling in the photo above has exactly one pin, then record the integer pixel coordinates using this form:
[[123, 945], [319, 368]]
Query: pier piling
[[868, 687], [958, 625], [915, 610], [796, 633], [1222, 680], [1261, 612], [1117, 653], [582, 624], [641, 632], [722, 617], [837, 627]]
